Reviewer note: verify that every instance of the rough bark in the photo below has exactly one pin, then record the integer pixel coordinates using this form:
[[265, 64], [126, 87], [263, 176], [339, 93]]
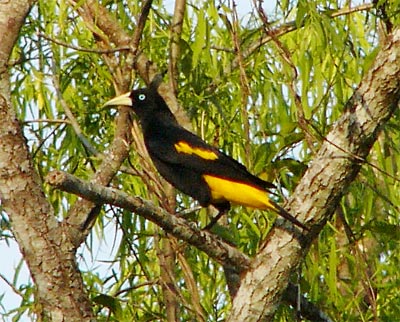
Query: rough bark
[[49, 255], [174, 225], [335, 166]]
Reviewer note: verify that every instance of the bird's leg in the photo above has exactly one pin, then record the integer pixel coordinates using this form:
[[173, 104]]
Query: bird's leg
[[215, 219], [222, 210]]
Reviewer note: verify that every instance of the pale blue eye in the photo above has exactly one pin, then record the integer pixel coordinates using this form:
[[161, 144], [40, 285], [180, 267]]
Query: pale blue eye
[[142, 97]]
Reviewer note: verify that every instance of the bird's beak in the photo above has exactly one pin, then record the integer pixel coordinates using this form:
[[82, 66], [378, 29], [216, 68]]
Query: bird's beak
[[123, 99]]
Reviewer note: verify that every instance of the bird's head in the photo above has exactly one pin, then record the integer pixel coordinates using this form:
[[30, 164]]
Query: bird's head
[[141, 101], [146, 103]]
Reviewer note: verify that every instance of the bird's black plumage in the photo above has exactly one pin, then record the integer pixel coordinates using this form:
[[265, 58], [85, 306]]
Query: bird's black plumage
[[190, 164]]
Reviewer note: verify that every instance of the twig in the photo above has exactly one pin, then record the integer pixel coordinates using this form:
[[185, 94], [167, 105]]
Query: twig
[[137, 286], [175, 36], [219, 48], [358, 159], [83, 49], [363, 267], [74, 123], [15, 290], [286, 56], [308, 310], [50, 121], [134, 45], [244, 83], [292, 26]]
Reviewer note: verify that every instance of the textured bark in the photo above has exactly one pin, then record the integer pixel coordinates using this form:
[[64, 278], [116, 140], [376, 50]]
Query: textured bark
[[49, 255], [335, 166], [175, 225]]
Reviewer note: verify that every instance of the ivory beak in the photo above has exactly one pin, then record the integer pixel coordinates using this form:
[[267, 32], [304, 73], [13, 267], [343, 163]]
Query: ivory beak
[[123, 99]]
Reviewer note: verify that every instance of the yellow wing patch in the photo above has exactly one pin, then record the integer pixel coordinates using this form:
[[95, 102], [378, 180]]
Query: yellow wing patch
[[238, 193], [183, 147]]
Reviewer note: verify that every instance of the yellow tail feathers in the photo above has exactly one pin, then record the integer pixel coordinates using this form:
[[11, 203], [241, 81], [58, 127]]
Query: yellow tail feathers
[[223, 190], [238, 193]]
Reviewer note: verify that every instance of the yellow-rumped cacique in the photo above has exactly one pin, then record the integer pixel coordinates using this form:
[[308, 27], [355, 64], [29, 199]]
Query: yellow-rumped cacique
[[190, 164]]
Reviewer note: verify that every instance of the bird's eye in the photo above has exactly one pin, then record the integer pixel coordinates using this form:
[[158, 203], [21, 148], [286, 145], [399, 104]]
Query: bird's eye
[[142, 97]]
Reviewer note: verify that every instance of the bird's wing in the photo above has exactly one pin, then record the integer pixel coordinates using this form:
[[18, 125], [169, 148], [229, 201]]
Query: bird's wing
[[177, 146]]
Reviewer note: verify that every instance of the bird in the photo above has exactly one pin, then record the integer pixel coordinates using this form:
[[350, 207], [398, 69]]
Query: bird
[[193, 166]]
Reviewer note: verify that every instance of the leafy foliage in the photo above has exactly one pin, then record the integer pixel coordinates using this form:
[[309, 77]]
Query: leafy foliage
[[352, 277]]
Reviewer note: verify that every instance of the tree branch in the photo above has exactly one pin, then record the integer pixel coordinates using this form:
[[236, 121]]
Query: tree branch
[[212, 245], [175, 37], [82, 216], [203, 240], [292, 26], [82, 49], [317, 195], [59, 292]]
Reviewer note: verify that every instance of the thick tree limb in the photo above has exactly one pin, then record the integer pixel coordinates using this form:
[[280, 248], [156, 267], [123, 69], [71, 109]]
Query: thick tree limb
[[321, 188], [60, 293], [225, 254], [203, 240]]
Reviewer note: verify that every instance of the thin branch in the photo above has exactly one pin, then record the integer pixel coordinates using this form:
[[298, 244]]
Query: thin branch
[[11, 285], [136, 286], [286, 57], [82, 216], [74, 123], [219, 48], [175, 37], [49, 121], [166, 249], [292, 26], [350, 10], [358, 159], [140, 27], [363, 266], [244, 83], [83, 49], [308, 310], [190, 281]]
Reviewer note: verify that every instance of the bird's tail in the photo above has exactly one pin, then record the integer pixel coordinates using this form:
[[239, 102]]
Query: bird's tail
[[283, 213]]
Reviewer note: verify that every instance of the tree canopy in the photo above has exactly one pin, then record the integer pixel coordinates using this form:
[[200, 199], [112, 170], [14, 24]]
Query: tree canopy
[[303, 93]]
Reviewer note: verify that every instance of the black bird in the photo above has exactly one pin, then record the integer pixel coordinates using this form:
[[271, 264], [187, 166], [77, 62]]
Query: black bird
[[190, 164]]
